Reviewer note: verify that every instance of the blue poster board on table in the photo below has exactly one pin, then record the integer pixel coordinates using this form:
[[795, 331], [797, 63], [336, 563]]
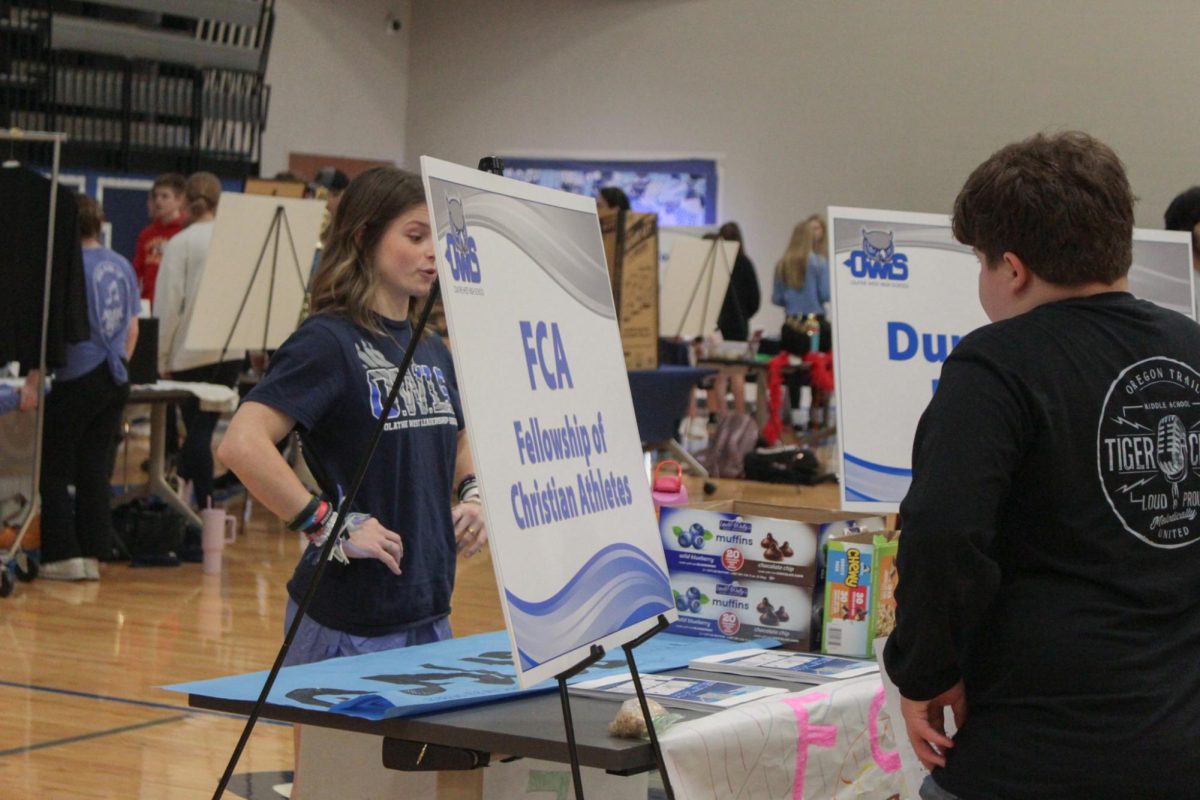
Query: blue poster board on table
[[436, 677]]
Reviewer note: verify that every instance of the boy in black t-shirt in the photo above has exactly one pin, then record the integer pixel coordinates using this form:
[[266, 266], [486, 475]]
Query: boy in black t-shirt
[[1049, 589]]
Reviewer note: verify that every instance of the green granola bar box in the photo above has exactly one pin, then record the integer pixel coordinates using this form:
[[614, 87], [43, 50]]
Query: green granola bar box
[[860, 592]]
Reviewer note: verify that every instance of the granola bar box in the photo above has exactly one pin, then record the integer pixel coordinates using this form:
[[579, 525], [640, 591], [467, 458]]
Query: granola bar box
[[860, 591]]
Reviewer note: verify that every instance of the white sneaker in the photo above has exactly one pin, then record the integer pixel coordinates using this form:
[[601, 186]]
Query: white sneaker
[[69, 569], [91, 569]]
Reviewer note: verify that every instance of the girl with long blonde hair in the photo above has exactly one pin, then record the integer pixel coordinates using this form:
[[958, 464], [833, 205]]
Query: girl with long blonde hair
[[820, 240], [802, 289], [792, 268]]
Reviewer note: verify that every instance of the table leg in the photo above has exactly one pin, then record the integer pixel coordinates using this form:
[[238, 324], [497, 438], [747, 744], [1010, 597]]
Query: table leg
[[683, 455], [158, 448], [761, 396]]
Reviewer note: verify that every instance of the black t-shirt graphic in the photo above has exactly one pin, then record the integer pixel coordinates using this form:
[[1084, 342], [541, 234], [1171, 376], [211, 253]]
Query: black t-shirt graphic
[[332, 378], [1048, 556], [1148, 443]]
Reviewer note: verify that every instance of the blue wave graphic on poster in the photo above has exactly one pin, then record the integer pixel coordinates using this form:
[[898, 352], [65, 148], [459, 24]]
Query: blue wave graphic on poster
[[875, 483], [563, 243], [616, 588]]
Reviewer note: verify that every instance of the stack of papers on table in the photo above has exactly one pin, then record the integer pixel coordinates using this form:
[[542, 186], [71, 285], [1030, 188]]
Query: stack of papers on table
[[676, 691], [784, 665]]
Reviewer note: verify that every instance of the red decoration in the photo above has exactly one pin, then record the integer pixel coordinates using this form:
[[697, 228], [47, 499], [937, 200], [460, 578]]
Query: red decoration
[[774, 427], [821, 374]]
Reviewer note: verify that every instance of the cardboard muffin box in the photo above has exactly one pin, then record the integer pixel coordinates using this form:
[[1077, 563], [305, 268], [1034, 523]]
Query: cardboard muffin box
[[746, 570]]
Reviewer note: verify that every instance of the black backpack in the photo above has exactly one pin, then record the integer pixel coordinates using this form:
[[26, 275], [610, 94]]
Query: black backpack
[[151, 531], [794, 465]]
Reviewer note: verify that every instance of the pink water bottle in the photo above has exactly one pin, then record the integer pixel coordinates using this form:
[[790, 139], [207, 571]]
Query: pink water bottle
[[668, 489]]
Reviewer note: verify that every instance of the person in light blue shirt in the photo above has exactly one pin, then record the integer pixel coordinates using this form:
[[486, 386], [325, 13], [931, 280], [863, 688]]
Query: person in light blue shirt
[[112, 317], [83, 413], [802, 288], [801, 276]]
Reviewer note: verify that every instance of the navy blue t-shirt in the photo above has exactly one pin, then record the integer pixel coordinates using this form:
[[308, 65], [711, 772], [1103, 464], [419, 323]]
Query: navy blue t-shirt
[[332, 377]]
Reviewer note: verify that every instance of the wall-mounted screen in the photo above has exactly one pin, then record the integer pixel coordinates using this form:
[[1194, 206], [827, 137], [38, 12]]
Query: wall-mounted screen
[[682, 192]]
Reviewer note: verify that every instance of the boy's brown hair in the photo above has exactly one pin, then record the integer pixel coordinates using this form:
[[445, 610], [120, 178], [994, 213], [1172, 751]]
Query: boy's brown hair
[[1061, 202], [172, 180], [91, 216]]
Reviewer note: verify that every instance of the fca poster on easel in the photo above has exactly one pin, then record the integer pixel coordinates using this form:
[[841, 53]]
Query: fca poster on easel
[[904, 294], [549, 416]]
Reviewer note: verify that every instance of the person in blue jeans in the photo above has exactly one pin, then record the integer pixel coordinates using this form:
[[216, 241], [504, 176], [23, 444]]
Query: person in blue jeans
[[83, 413]]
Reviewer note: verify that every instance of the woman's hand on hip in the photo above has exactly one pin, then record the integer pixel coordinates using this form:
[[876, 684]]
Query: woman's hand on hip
[[369, 539]]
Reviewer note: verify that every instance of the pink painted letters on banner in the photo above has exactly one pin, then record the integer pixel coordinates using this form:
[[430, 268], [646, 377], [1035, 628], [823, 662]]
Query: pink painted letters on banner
[[808, 734], [888, 760]]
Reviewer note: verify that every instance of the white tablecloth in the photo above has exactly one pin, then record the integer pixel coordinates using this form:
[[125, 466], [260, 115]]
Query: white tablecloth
[[835, 741]]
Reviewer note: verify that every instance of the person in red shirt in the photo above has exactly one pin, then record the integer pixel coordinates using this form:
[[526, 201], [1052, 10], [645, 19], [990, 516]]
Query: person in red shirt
[[166, 202]]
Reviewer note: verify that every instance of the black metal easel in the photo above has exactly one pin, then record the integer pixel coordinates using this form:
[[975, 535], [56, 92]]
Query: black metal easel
[[597, 653], [278, 223], [705, 276], [641, 695]]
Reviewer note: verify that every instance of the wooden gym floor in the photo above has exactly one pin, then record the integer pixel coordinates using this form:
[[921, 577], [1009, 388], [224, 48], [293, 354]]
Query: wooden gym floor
[[80, 712]]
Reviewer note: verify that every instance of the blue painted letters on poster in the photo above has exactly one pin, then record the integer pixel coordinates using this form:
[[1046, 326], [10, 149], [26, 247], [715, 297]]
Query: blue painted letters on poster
[[903, 341], [556, 375], [462, 258]]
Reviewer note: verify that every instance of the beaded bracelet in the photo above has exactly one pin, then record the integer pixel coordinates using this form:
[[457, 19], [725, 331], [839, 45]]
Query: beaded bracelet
[[353, 521]]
